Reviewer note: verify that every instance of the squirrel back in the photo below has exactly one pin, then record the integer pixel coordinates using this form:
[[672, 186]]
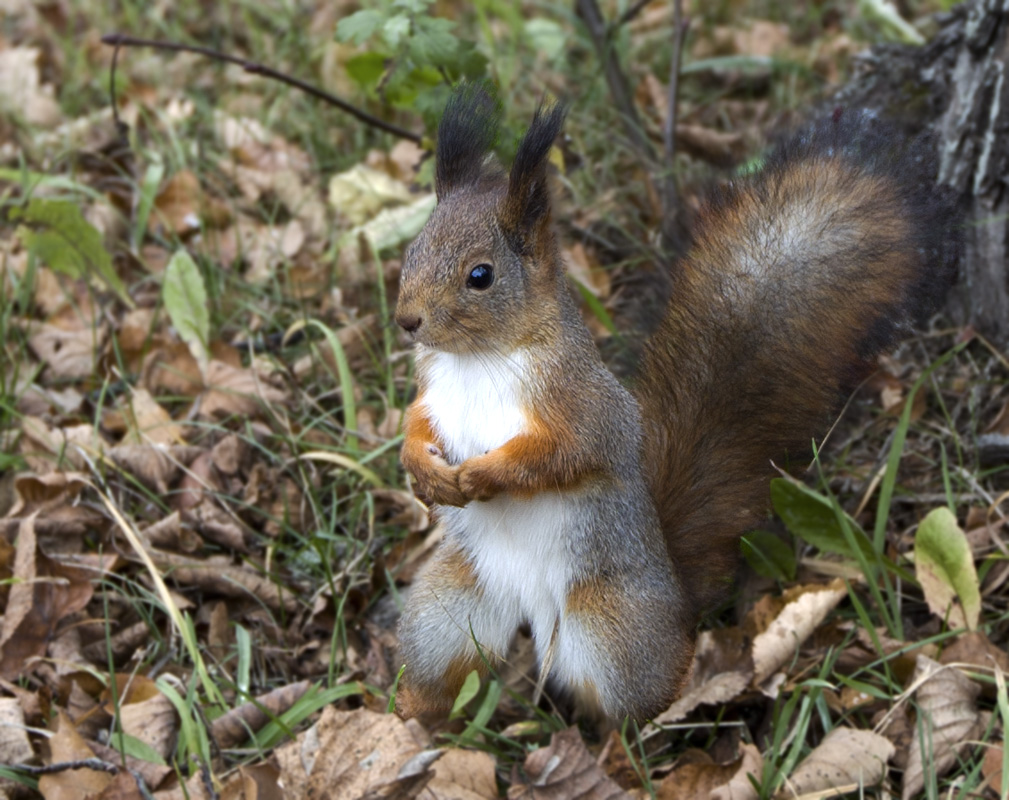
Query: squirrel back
[[798, 277]]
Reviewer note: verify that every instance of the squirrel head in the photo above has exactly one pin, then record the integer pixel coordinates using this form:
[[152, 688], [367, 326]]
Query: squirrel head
[[484, 272]]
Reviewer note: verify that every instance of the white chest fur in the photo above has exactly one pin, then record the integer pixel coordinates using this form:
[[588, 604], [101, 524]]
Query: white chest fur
[[474, 401], [520, 546]]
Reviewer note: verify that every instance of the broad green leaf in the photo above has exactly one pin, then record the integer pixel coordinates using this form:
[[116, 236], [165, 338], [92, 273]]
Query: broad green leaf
[[944, 565], [470, 689], [367, 68], [359, 26], [546, 36], [396, 29], [56, 232], [137, 748], [769, 556], [185, 299], [811, 517]]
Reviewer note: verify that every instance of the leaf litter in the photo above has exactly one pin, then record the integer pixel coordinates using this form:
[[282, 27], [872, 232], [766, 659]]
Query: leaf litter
[[162, 371]]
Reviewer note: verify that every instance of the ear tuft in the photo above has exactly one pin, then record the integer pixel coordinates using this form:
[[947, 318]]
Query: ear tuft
[[467, 132], [528, 198]]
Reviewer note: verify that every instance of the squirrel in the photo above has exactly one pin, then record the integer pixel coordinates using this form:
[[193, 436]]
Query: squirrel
[[609, 519]]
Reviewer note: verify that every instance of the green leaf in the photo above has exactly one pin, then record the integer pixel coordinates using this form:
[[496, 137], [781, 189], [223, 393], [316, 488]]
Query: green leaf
[[367, 68], [470, 689], [185, 299], [56, 232], [396, 29], [137, 748], [811, 517], [546, 36], [769, 556], [944, 565], [359, 26]]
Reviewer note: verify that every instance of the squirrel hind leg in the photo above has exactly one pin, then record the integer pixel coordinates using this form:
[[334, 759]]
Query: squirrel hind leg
[[448, 629], [621, 648]]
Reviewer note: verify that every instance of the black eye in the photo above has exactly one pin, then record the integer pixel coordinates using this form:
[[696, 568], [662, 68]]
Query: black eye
[[480, 277]]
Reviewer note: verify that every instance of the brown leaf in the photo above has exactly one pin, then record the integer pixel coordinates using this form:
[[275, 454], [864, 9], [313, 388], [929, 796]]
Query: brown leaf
[[182, 207], [718, 690], [948, 720], [364, 753], [148, 422], [68, 352], [463, 775], [44, 593], [806, 608], [991, 767], [44, 493], [66, 744], [844, 761], [234, 727], [219, 575], [122, 787], [701, 778], [565, 769], [14, 745], [237, 391]]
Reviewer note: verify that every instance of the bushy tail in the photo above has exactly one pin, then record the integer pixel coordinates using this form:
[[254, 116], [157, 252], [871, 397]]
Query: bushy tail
[[798, 277]]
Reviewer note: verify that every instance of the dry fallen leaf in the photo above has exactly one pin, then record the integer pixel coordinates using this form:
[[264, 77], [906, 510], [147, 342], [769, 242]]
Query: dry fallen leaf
[[720, 689], [44, 593], [845, 761], [565, 769], [14, 745], [234, 727], [948, 721], [364, 753], [66, 744], [463, 775], [806, 608], [991, 767]]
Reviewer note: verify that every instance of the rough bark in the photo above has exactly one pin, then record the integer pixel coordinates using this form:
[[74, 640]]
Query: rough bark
[[956, 86]]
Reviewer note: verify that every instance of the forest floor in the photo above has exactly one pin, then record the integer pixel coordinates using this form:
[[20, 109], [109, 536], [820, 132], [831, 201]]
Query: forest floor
[[206, 531]]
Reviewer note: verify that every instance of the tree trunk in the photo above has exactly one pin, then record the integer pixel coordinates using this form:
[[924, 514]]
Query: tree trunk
[[957, 87]]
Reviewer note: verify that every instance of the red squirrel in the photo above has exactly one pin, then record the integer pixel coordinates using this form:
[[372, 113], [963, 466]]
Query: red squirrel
[[609, 519]]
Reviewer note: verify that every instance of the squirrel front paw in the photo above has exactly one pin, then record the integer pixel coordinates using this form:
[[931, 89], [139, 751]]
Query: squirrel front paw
[[478, 480], [437, 481]]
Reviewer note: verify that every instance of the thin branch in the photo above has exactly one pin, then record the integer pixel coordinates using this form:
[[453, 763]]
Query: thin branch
[[631, 13], [64, 766], [120, 39], [671, 189], [620, 91]]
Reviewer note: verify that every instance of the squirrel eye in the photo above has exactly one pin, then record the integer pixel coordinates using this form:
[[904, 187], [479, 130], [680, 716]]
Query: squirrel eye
[[480, 277]]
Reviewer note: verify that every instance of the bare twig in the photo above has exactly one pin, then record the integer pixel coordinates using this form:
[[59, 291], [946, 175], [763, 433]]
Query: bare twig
[[64, 766], [118, 39], [670, 187], [620, 91], [631, 13]]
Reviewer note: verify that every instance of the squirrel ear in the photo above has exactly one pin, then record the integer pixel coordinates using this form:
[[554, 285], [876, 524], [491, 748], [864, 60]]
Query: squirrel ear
[[528, 198], [467, 132]]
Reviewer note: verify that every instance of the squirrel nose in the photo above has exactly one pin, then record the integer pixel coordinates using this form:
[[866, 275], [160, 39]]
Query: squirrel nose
[[409, 322]]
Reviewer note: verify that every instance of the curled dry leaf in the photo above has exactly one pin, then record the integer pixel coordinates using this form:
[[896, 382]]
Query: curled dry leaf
[[565, 769], [234, 727], [846, 760], [220, 576], [948, 721], [806, 607], [44, 593], [701, 778], [717, 690], [991, 767]]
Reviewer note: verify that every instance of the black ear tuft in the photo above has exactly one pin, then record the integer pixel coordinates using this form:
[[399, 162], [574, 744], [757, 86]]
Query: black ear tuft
[[467, 132], [528, 198]]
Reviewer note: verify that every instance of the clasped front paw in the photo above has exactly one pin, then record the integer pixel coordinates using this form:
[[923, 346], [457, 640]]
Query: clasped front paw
[[437, 480], [476, 481]]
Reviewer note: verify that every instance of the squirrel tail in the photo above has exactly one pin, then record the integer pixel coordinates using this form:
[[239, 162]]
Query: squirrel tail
[[798, 277]]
